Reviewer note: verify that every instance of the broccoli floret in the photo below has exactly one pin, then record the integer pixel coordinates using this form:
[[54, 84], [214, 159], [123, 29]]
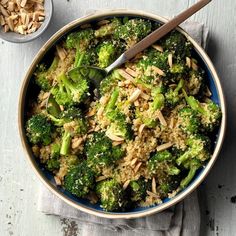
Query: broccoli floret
[[210, 113], [119, 125], [172, 95], [193, 166], [133, 31], [73, 123], [110, 82], [178, 69], [138, 189], [198, 148], [80, 180], [188, 120], [68, 92], [107, 29], [100, 152], [53, 163], [42, 72], [111, 195], [162, 162], [81, 41], [39, 129], [177, 44], [106, 54], [195, 82]]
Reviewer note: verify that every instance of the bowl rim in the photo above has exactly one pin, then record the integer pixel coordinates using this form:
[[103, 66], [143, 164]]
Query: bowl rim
[[30, 37], [112, 215]]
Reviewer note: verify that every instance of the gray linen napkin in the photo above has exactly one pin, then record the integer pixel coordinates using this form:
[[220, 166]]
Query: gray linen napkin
[[182, 219]]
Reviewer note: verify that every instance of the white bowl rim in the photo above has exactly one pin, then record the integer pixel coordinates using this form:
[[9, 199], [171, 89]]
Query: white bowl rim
[[148, 211]]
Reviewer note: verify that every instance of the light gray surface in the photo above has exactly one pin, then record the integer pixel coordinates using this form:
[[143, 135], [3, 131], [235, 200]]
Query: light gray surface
[[18, 183]]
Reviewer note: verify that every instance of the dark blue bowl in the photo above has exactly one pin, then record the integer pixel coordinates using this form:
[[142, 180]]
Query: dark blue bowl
[[28, 91]]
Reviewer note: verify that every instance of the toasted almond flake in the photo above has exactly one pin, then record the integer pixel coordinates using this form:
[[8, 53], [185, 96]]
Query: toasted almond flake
[[117, 143], [161, 118], [61, 52], [3, 2], [13, 17], [152, 194], [90, 130], [6, 28], [131, 72], [23, 3], [208, 92], [91, 113], [35, 16], [100, 111], [136, 103], [4, 11], [85, 26], [11, 6], [103, 22], [38, 1], [104, 100], [126, 184], [100, 178], [23, 16], [188, 62], [10, 23], [134, 96], [57, 180], [164, 146], [158, 47], [171, 125], [133, 161], [27, 19], [137, 167], [30, 25], [158, 71], [194, 66], [97, 128], [145, 96], [41, 18], [141, 128], [113, 137], [170, 60], [76, 142], [154, 189], [125, 75], [2, 20]]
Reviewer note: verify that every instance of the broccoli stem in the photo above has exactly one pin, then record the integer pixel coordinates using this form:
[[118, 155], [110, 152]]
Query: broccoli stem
[[78, 58], [183, 157], [179, 86], [173, 170], [53, 65], [65, 146], [113, 99], [158, 102]]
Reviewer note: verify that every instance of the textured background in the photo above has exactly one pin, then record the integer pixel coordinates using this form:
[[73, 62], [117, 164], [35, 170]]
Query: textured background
[[18, 183]]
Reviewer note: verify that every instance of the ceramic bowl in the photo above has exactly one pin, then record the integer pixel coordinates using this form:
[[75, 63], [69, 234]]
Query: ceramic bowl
[[19, 38], [27, 91]]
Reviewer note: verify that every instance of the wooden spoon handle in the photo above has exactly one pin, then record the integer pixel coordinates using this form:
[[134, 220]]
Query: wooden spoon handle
[[164, 29]]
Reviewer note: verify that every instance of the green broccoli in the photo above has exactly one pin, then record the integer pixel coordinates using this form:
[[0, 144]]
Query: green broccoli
[[53, 163], [177, 44], [111, 195], [67, 92], [138, 189], [195, 82], [110, 82], [107, 29], [210, 113], [42, 72], [80, 180], [198, 148], [172, 96], [73, 123], [39, 129], [162, 162], [133, 31], [100, 152], [188, 120], [81, 41], [106, 54]]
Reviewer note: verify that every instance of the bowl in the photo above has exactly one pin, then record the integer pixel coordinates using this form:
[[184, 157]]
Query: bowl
[[84, 205], [19, 38]]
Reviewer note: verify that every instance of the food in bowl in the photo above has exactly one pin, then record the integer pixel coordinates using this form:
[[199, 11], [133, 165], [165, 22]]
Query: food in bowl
[[147, 134]]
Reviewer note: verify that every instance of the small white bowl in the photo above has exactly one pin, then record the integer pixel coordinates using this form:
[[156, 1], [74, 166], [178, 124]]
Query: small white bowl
[[19, 38]]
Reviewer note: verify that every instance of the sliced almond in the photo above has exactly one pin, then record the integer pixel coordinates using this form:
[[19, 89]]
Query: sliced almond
[[10, 23], [6, 28], [116, 143], [158, 47], [3, 2], [100, 178], [158, 71], [61, 52], [126, 184], [170, 60], [134, 96], [145, 96], [164, 146], [131, 72], [76, 143], [125, 75], [194, 66], [41, 18], [188, 62], [4, 11], [57, 180], [35, 16], [171, 124], [152, 194], [91, 113], [154, 188], [85, 26], [113, 137], [137, 167], [100, 111], [208, 92], [141, 128], [11, 6], [103, 22], [2, 20], [161, 118], [23, 3], [133, 161]]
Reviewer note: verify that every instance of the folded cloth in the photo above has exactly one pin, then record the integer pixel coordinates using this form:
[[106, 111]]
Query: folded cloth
[[182, 219]]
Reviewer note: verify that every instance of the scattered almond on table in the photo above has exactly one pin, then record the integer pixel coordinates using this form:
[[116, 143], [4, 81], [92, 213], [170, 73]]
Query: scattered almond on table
[[21, 16]]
